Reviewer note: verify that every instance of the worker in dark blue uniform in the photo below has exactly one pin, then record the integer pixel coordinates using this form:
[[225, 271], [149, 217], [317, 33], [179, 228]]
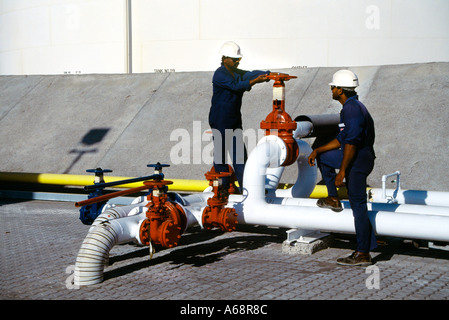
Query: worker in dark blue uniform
[[225, 118], [353, 154]]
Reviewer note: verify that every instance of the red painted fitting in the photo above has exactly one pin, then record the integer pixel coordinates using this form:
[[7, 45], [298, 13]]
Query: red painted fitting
[[215, 215], [279, 122], [232, 179], [165, 219]]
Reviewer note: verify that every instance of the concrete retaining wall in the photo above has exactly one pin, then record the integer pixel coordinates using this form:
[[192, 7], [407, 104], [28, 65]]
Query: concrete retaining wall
[[70, 123]]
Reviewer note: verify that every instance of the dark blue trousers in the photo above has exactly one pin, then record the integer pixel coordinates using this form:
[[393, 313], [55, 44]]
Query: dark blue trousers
[[229, 141], [356, 176]]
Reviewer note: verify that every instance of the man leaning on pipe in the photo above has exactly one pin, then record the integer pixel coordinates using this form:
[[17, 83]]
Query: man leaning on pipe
[[353, 154], [225, 118]]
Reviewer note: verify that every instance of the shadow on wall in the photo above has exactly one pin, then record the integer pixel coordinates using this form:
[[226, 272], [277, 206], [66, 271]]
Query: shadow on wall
[[92, 137]]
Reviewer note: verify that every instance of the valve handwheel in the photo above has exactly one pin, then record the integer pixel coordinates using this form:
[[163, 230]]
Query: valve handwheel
[[98, 170], [98, 174], [281, 77], [157, 184], [216, 175], [158, 166]]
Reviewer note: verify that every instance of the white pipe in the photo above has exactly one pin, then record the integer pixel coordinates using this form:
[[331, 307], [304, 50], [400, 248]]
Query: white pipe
[[117, 212], [94, 251], [194, 215], [272, 179], [256, 210], [306, 179], [195, 198], [114, 226], [270, 152], [406, 225], [377, 206], [305, 173], [432, 198], [303, 129]]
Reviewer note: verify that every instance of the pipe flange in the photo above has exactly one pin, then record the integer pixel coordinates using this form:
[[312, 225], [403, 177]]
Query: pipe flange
[[229, 220], [282, 147], [144, 238], [169, 234]]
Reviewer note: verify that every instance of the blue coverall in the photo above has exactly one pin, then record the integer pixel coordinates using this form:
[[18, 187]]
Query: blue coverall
[[225, 114], [356, 128]]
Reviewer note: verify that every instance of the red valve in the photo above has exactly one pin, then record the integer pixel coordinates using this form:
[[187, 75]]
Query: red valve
[[165, 220], [223, 218], [215, 214], [211, 176], [279, 122]]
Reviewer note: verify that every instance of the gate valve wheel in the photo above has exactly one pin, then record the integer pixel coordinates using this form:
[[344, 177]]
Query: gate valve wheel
[[232, 187], [216, 184], [280, 77], [98, 170], [211, 176], [157, 189], [157, 184], [158, 166], [158, 169], [98, 174]]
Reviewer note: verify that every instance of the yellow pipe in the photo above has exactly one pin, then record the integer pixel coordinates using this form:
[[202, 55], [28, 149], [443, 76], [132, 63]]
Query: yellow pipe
[[84, 180], [47, 178], [186, 185]]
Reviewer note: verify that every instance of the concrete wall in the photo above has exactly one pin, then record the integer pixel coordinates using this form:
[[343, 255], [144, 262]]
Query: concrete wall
[[70, 123]]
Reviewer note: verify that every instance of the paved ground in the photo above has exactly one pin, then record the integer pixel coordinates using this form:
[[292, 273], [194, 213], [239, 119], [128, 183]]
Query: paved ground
[[40, 241]]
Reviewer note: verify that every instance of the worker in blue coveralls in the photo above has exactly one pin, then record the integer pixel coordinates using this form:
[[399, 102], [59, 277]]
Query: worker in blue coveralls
[[225, 118], [353, 154]]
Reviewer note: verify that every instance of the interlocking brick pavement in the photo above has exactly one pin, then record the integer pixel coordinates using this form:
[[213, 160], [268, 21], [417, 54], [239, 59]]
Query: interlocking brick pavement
[[40, 241]]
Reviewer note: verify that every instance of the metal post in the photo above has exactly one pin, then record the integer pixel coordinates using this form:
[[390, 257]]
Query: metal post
[[129, 40]]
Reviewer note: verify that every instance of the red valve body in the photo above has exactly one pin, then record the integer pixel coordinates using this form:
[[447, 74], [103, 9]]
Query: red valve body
[[165, 220], [215, 215], [278, 122]]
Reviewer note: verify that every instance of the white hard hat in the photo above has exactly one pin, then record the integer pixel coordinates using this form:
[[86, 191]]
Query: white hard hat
[[345, 79], [230, 49]]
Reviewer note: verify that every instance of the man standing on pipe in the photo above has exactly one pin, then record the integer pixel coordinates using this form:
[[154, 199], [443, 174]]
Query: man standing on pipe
[[225, 118], [353, 154]]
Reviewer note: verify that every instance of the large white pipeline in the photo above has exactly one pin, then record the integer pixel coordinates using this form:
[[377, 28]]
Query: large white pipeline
[[256, 210]]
